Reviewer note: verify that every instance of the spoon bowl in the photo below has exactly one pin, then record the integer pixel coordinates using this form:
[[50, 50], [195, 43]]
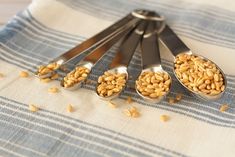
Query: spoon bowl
[[199, 94], [76, 86], [116, 70], [155, 69]]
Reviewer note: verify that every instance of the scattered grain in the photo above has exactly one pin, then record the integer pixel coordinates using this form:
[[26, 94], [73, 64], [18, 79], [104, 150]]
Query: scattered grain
[[24, 74], [33, 108], [224, 107], [164, 118]]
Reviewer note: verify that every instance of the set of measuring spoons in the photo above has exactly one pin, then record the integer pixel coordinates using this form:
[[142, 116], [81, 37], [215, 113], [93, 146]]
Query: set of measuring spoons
[[144, 28]]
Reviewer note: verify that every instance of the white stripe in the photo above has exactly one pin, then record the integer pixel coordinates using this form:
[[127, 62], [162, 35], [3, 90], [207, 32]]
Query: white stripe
[[78, 130], [56, 138], [21, 147], [47, 29]]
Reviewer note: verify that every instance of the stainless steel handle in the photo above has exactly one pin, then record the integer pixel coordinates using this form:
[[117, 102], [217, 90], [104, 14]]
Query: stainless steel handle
[[149, 47], [96, 54], [129, 44], [172, 41], [96, 39]]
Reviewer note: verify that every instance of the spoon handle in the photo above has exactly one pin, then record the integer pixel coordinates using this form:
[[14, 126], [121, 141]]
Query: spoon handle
[[172, 41], [129, 45], [150, 48], [97, 39]]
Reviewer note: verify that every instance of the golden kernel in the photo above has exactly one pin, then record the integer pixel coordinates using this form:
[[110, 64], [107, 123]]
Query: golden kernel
[[129, 100], [33, 108], [69, 108], [24, 74], [112, 105], [178, 97], [1, 75], [224, 107], [171, 100], [45, 80], [53, 90], [164, 118]]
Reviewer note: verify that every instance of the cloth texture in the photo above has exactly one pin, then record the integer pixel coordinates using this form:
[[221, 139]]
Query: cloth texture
[[48, 28]]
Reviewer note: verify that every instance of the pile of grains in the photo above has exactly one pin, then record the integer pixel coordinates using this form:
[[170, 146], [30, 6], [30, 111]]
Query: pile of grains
[[199, 75], [110, 83], [76, 76], [46, 69], [153, 84]]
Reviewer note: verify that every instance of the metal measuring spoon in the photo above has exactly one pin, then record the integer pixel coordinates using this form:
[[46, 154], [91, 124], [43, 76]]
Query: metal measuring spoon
[[177, 48], [90, 43], [152, 90], [93, 57], [123, 57]]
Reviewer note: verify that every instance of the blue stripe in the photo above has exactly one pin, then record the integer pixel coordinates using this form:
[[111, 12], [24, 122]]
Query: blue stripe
[[51, 115], [6, 153], [51, 146]]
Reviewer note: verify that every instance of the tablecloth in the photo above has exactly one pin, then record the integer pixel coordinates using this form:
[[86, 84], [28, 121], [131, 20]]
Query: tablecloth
[[48, 28]]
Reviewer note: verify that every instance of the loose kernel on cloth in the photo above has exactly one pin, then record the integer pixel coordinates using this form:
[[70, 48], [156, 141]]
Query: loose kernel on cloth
[[24, 74], [132, 112], [164, 118], [178, 97], [76, 76], [69, 108], [1, 75], [110, 83], [224, 107], [112, 104], [33, 108], [129, 100], [199, 75], [153, 84], [45, 80], [171, 100], [53, 90]]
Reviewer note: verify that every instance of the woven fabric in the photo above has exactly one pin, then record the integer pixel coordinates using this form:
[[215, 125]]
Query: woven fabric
[[48, 28]]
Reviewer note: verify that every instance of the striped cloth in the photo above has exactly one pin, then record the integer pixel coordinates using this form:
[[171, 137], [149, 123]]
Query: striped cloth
[[48, 28]]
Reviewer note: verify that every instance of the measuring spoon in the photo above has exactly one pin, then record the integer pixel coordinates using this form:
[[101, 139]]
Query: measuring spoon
[[154, 83], [120, 63], [89, 44], [179, 51], [90, 60]]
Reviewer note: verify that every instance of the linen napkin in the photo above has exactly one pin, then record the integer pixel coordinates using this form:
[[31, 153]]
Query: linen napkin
[[48, 28]]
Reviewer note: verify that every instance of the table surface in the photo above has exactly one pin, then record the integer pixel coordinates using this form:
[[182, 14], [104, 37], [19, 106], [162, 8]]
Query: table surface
[[9, 8]]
